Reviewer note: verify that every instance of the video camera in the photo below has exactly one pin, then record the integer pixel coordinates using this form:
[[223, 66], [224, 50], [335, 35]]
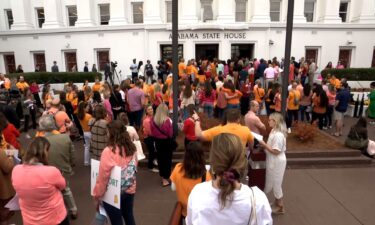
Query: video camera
[[114, 64]]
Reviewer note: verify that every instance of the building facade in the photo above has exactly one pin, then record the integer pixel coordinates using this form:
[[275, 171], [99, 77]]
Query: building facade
[[70, 32]]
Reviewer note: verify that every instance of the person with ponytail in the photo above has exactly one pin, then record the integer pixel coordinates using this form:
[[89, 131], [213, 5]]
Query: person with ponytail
[[84, 117], [224, 200], [275, 160], [121, 152]]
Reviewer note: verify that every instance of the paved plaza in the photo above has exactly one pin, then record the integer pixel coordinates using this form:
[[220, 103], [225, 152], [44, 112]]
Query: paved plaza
[[342, 196]]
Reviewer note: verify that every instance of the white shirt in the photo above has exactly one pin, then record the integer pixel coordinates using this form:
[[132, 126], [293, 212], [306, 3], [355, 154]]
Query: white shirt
[[269, 73], [219, 84], [204, 208]]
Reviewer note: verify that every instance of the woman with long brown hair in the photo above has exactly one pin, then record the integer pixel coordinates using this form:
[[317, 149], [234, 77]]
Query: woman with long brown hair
[[225, 200], [121, 152]]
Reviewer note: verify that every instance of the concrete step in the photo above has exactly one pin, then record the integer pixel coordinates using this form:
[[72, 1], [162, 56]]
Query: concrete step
[[323, 154], [356, 160]]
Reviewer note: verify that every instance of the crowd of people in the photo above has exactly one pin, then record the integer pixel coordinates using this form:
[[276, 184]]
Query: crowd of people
[[109, 118]]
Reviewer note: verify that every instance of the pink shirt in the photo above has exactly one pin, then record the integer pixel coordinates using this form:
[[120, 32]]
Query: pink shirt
[[108, 108], [40, 197], [331, 98], [147, 126], [166, 129], [135, 99], [269, 73], [108, 160]]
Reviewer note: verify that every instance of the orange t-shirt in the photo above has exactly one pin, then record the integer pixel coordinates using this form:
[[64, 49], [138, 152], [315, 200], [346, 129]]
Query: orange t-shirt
[[69, 96], [201, 78], [259, 93], [85, 123], [243, 132], [184, 185], [213, 69], [169, 81], [292, 95], [233, 101], [317, 108], [181, 69], [96, 87], [335, 82], [22, 85]]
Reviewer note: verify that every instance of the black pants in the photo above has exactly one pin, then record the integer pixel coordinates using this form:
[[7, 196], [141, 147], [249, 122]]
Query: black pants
[[32, 114], [164, 156], [134, 76], [150, 144], [78, 124], [245, 103], [126, 212], [292, 116], [135, 118], [320, 117], [37, 100]]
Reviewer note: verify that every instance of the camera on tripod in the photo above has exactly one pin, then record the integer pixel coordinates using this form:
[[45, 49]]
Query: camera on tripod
[[114, 64]]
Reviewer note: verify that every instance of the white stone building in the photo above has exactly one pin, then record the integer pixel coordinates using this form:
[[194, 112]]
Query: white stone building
[[38, 32]]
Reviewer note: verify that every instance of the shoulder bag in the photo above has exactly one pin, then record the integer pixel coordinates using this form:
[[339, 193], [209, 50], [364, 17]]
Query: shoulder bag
[[358, 143], [253, 213]]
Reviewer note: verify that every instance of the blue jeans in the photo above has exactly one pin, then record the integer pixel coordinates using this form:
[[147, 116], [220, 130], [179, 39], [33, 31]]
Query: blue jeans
[[208, 109], [233, 106], [126, 211], [135, 118], [302, 110]]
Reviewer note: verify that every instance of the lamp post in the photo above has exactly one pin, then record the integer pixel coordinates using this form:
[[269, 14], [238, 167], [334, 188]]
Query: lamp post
[[288, 48], [175, 64]]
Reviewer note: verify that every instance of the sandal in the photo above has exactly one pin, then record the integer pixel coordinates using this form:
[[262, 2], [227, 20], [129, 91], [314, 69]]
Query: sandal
[[278, 210], [335, 134]]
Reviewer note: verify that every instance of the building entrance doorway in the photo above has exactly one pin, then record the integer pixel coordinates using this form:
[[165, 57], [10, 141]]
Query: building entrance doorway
[[208, 51]]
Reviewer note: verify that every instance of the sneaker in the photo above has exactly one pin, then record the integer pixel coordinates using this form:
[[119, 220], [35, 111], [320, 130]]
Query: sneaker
[[325, 128], [278, 210], [289, 131], [28, 136], [155, 170], [155, 162], [330, 127]]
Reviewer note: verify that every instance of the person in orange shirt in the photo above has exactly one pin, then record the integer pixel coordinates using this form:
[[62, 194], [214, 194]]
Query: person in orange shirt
[[293, 106], [182, 69], [85, 85], [201, 77], [213, 68], [97, 86], [84, 118], [259, 94], [232, 95], [4, 81], [22, 84], [169, 80], [335, 82], [320, 102], [189, 173]]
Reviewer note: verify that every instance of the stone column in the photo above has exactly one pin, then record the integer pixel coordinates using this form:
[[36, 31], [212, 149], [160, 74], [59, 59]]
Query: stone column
[[329, 11], [85, 11], [259, 11], [152, 11], [53, 14], [363, 11], [188, 12], [21, 10], [117, 10], [226, 11]]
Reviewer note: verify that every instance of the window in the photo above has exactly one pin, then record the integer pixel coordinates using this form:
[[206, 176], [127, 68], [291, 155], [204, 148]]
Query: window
[[240, 10], [40, 16], [309, 10], [40, 61], [104, 14], [373, 59], [166, 52], [242, 51], [72, 15], [343, 12], [70, 61], [345, 56], [137, 12], [10, 63], [168, 6], [9, 16], [102, 59], [312, 54], [275, 6]]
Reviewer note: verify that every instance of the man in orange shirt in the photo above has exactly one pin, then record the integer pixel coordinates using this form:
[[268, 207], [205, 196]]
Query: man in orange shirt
[[232, 126], [22, 84], [182, 69], [97, 85], [293, 105], [4, 81]]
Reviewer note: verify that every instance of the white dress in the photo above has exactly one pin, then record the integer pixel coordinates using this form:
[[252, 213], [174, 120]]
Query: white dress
[[204, 209], [275, 164]]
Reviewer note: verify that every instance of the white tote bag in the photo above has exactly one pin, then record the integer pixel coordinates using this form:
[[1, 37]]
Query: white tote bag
[[140, 154]]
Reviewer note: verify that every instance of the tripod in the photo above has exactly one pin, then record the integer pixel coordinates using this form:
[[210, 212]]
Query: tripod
[[117, 75]]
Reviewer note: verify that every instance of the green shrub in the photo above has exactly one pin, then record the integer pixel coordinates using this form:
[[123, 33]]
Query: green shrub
[[61, 77], [366, 74]]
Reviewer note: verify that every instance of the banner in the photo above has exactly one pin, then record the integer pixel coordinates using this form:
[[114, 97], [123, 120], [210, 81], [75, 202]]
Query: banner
[[113, 194]]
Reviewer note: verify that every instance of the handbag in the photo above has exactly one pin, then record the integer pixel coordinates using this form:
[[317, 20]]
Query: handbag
[[138, 146], [358, 143], [253, 220], [176, 217]]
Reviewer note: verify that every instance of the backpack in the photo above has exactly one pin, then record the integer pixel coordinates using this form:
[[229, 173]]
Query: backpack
[[128, 174], [149, 70]]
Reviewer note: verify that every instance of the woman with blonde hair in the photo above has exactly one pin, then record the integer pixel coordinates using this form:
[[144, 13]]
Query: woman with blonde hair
[[162, 132], [276, 160], [224, 200]]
